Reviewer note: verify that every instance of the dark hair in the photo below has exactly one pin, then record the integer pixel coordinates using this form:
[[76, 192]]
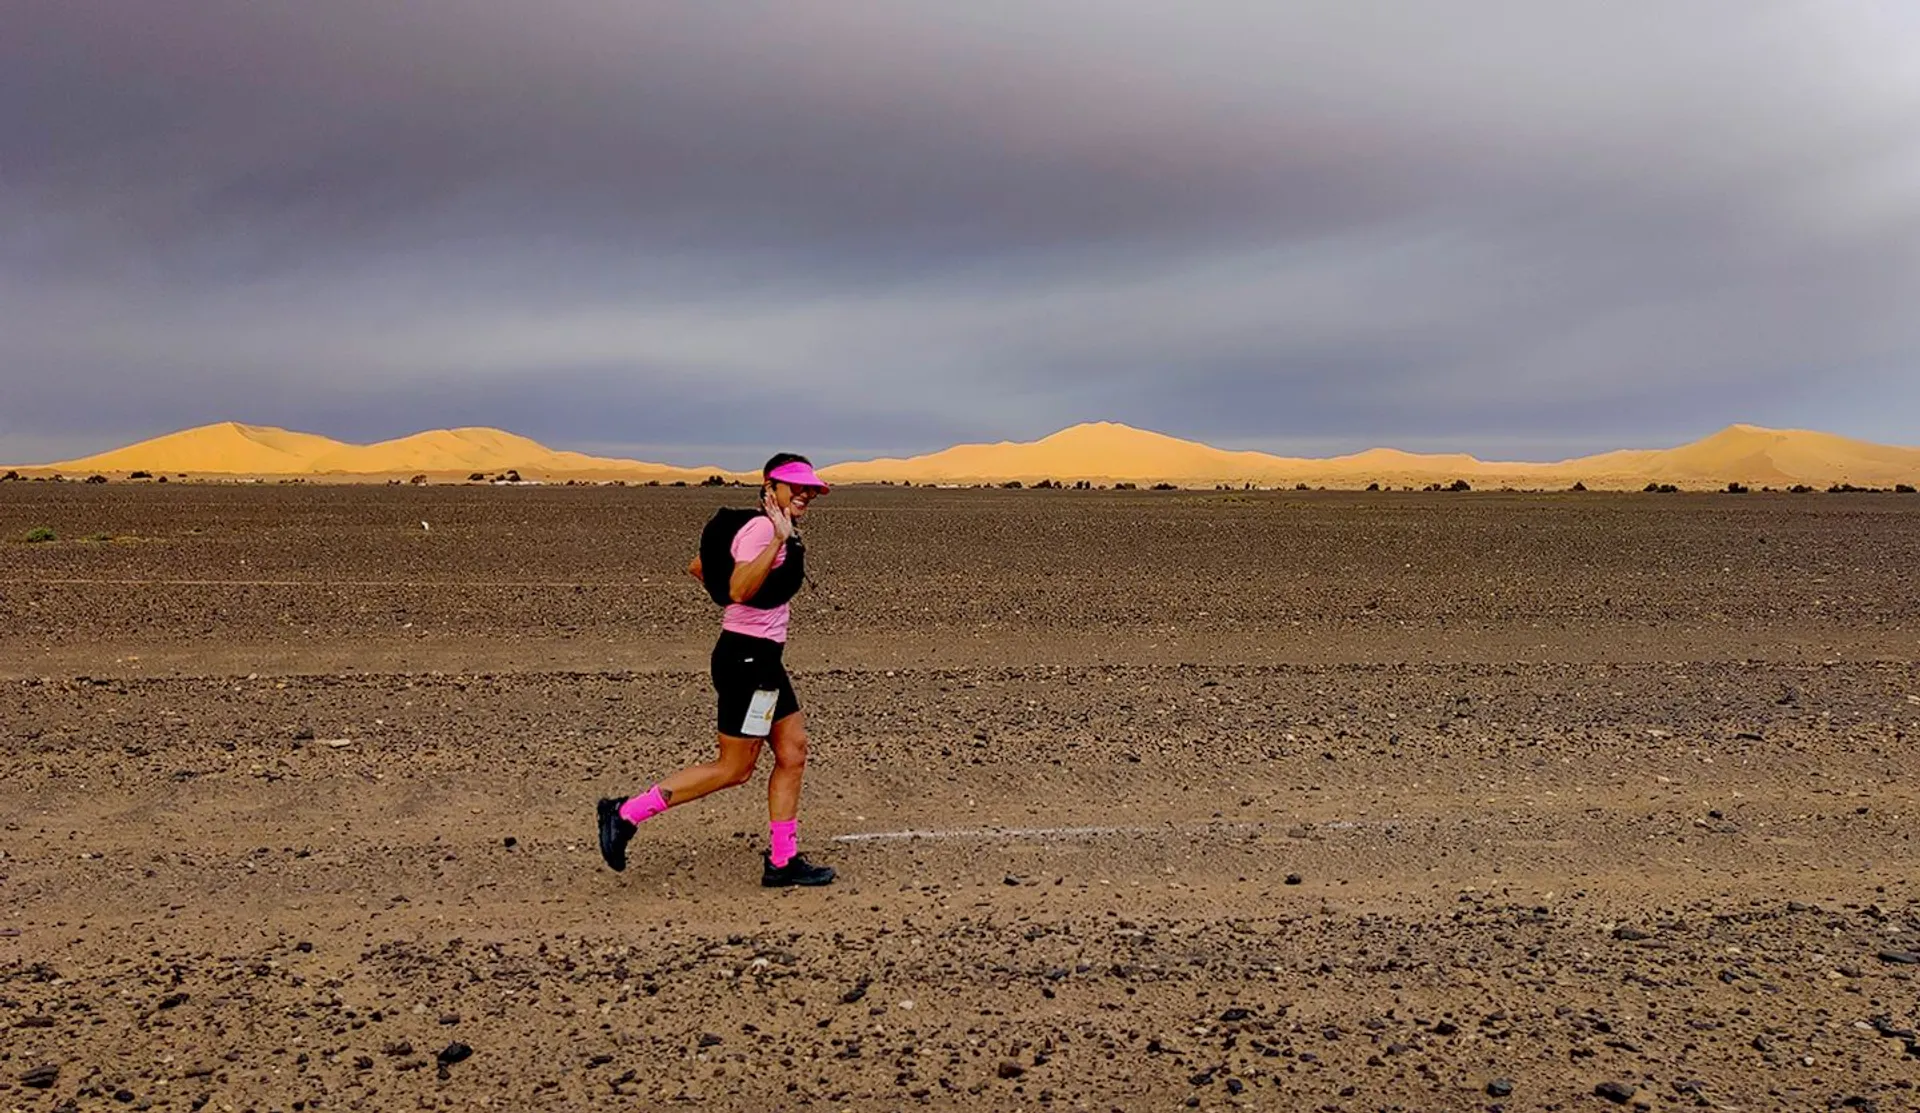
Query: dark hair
[[779, 458]]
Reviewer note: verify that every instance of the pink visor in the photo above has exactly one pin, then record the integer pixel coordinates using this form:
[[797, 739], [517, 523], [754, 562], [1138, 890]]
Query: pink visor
[[796, 473]]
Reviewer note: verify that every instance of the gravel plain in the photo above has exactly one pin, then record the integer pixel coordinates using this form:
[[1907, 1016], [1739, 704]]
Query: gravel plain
[[1140, 800]]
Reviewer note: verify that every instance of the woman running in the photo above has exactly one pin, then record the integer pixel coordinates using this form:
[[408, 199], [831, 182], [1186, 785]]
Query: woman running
[[760, 568]]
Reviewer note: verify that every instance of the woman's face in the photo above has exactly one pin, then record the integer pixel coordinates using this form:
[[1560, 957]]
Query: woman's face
[[792, 499]]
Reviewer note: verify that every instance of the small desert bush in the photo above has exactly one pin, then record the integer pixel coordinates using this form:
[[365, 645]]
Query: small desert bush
[[41, 533], [1903, 489], [1736, 488]]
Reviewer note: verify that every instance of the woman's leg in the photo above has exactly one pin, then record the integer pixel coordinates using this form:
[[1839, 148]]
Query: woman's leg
[[789, 763], [784, 864], [619, 819], [733, 767]]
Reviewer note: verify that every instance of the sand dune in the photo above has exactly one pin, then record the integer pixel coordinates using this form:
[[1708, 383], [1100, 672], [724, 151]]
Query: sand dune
[[231, 449], [1097, 452], [225, 447], [1106, 452]]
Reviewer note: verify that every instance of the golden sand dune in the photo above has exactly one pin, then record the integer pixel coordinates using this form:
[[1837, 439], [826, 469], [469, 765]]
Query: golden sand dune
[[226, 447], [231, 449], [1098, 452], [1106, 452]]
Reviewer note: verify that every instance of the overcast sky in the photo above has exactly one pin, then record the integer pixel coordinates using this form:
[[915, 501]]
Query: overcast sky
[[698, 232]]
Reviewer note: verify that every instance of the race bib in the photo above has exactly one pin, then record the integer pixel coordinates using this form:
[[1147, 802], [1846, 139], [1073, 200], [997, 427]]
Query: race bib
[[759, 722]]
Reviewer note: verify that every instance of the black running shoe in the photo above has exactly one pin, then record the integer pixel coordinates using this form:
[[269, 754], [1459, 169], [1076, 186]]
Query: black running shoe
[[615, 833], [797, 871]]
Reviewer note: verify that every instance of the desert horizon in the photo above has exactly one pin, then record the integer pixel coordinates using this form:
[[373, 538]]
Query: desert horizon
[[1099, 453]]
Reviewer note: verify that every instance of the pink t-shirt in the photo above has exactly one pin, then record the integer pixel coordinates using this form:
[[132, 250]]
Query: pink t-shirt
[[769, 623]]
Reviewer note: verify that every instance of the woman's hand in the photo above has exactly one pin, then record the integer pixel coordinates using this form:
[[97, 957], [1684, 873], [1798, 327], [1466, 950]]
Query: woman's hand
[[782, 522]]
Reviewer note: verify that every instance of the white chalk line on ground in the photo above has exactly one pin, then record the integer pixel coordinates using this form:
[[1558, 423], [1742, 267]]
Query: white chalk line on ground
[[1008, 833]]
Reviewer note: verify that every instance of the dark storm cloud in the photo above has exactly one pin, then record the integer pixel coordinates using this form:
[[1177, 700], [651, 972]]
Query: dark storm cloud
[[903, 225]]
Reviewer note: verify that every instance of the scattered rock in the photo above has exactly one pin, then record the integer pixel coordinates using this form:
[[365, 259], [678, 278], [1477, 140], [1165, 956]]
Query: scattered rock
[[853, 995], [1631, 934], [453, 1053], [708, 1039], [1011, 1069], [1234, 1016], [509, 842], [41, 1078], [173, 1000], [1618, 1093], [1500, 1088], [1294, 879], [1900, 958]]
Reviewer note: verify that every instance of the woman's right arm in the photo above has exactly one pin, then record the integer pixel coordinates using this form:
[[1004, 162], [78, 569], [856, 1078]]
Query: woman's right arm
[[749, 575]]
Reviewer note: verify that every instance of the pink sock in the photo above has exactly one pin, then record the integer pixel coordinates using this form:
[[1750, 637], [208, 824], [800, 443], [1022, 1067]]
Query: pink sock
[[643, 807], [783, 839]]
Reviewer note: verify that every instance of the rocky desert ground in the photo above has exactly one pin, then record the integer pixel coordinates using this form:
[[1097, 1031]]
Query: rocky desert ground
[[1140, 800]]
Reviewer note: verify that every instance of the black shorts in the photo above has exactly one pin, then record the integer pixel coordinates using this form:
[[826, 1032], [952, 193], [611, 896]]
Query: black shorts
[[751, 684]]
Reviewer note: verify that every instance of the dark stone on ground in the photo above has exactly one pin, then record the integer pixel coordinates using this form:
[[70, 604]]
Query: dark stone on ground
[[1618, 1093]]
